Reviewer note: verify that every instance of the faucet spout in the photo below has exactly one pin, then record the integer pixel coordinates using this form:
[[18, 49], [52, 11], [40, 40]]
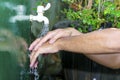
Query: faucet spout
[[39, 19], [20, 14], [18, 18]]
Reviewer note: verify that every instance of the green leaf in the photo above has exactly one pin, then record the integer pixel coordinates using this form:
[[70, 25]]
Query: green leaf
[[79, 29], [118, 25]]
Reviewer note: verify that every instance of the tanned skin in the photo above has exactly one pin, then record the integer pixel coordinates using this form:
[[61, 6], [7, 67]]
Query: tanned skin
[[102, 46]]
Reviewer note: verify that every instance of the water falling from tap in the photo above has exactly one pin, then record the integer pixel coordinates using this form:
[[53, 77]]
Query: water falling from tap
[[40, 18], [44, 30]]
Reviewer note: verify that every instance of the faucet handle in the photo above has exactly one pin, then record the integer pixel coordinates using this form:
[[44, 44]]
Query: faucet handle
[[47, 6], [41, 9]]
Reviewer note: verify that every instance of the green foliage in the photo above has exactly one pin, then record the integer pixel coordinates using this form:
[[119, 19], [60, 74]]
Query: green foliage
[[69, 1], [112, 13], [101, 12]]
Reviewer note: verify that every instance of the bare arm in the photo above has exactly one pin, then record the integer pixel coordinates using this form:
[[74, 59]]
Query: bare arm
[[108, 42], [92, 43], [108, 60], [104, 41], [52, 36]]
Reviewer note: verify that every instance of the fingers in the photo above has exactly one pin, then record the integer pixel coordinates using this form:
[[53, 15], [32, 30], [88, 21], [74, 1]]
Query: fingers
[[52, 36], [33, 59], [59, 35], [34, 44], [36, 64], [45, 39], [44, 49]]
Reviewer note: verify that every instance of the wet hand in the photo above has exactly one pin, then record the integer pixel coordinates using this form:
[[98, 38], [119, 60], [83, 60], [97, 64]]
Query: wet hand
[[44, 49], [52, 36]]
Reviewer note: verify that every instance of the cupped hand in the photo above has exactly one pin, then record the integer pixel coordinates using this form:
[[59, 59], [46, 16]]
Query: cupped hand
[[52, 36], [39, 46], [44, 49]]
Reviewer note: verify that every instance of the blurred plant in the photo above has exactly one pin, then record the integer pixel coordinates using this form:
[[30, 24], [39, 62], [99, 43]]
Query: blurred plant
[[94, 14], [111, 13]]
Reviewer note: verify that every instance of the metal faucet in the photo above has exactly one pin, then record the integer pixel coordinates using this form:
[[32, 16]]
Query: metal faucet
[[19, 9], [40, 17], [21, 14]]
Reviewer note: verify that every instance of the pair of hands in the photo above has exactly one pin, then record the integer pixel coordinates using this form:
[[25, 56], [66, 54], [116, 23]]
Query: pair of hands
[[46, 44]]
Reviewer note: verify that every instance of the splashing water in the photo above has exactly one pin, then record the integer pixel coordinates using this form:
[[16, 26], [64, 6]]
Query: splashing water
[[29, 73], [44, 30], [32, 73]]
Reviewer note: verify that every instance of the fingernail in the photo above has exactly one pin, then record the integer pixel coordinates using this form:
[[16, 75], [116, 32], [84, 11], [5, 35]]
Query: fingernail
[[31, 65], [29, 48], [36, 65]]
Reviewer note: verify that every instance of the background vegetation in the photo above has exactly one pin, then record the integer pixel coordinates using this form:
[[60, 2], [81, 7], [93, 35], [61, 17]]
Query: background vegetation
[[93, 14]]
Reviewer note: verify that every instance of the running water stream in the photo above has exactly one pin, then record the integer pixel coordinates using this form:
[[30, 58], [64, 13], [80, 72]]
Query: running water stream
[[33, 72]]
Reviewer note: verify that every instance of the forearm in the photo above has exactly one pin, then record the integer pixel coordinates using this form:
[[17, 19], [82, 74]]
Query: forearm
[[108, 60], [92, 43]]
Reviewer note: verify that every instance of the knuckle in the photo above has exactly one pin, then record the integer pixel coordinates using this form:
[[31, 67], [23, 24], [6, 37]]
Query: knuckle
[[37, 39]]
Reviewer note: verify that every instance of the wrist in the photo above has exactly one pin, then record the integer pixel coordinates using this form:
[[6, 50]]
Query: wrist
[[74, 32]]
